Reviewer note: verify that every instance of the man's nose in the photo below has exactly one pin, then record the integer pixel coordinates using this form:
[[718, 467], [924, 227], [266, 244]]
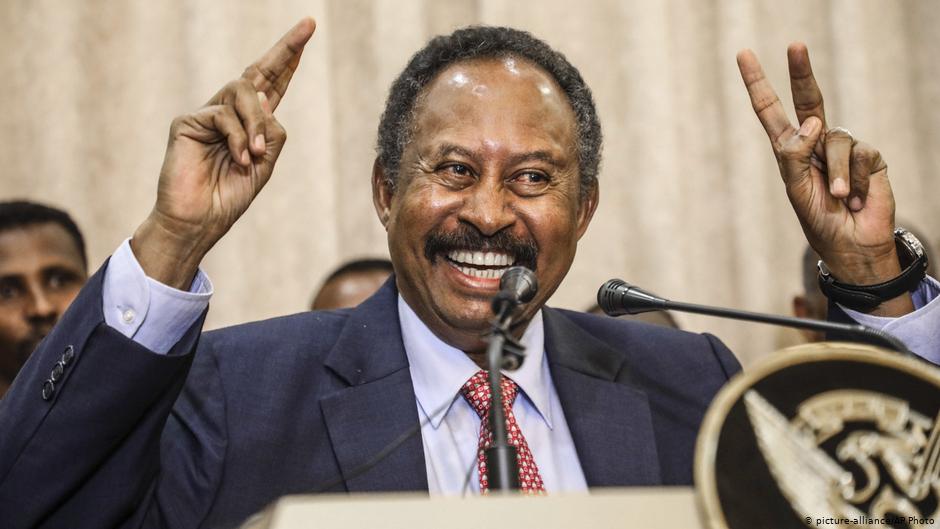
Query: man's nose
[[489, 207], [41, 304]]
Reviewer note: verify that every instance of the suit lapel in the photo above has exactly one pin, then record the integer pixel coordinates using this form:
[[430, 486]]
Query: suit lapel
[[378, 406], [609, 416]]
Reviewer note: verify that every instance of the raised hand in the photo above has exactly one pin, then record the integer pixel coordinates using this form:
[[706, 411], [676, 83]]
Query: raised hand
[[838, 186], [217, 160]]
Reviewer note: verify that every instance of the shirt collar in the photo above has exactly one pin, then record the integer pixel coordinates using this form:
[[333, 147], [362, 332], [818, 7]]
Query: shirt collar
[[438, 370]]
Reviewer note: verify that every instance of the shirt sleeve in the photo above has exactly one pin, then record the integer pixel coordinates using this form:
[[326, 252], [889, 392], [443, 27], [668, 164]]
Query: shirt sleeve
[[919, 330], [152, 314]]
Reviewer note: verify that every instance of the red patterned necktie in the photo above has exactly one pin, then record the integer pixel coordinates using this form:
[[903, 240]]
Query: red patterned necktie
[[477, 393]]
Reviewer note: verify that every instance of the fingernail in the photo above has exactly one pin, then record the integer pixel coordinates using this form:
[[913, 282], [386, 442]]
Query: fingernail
[[809, 126], [246, 159], [855, 204], [839, 187], [259, 142]]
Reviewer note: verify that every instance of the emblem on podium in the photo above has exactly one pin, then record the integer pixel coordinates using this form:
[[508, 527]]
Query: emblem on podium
[[823, 435]]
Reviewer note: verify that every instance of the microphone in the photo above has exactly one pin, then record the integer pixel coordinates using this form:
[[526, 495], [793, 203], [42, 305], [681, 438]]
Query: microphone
[[518, 285], [617, 297]]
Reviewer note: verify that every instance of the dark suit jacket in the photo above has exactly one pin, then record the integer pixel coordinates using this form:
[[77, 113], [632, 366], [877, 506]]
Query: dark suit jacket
[[230, 420]]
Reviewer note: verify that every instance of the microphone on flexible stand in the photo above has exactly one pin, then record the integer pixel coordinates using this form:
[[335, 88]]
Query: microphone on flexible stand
[[617, 297], [517, 286]]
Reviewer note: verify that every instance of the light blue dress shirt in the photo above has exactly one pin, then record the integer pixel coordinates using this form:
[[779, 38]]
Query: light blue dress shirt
[[451, 438], [919, 330], [156, 316], [147, 311]]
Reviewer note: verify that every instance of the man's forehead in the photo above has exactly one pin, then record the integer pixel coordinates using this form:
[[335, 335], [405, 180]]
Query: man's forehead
[[36, 243], [482, 74], [477, 102]]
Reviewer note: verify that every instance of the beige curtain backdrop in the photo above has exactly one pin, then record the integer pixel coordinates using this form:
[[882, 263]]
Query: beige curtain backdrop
[[692, 206]]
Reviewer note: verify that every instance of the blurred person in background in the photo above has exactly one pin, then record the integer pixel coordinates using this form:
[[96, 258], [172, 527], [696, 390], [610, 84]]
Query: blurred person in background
[[351, 284], [810, 303], [42, 268]]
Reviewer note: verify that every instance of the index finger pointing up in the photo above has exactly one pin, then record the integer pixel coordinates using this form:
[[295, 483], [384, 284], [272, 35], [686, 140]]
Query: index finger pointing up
[[807, 98], [273, 71], [764, 99]]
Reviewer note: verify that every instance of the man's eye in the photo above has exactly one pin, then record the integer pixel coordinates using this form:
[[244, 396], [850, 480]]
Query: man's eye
[[531, 177], [531, 180], [458, 169], [59, 280], [529, 183], [56, 281], [8, 291]]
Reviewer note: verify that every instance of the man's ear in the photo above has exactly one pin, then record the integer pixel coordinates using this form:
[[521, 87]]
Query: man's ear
[[587, 208], [382, 193], [800, 307]]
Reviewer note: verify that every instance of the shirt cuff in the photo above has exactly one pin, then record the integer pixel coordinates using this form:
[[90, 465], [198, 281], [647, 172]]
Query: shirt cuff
[[152, 314], [919, 330]]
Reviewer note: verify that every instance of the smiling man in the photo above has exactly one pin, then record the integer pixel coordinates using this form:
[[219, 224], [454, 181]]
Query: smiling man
[[488, 156], [490, 177]]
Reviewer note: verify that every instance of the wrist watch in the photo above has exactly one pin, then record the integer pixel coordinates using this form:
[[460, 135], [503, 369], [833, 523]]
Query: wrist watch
[[865, 298]]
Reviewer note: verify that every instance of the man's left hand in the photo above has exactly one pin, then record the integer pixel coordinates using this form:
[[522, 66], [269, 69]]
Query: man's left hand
[[838, 186]]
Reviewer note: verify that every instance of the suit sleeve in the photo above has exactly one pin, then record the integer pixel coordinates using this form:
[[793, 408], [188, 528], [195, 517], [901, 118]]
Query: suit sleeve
[[80, 429]]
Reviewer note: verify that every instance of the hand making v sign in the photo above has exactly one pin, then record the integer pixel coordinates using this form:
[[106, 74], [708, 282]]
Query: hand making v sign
[[838, 185]]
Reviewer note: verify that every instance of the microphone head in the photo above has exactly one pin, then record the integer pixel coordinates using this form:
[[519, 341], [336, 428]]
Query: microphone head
[[617, 297], [607, 296], [520, 283]]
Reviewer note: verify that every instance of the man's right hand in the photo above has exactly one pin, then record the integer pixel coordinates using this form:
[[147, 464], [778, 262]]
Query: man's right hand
[[217, 160]]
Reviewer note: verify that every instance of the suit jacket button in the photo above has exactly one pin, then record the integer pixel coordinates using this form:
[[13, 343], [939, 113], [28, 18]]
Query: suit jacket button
[[48, 388], [68, 355], [57, 372]]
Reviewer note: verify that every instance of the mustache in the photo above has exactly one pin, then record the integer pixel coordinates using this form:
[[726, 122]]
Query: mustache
[[439, 242]]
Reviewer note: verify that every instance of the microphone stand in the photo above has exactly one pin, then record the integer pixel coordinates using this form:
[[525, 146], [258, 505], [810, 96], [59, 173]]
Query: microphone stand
[[502, 467], [635, 300], [880, 336]]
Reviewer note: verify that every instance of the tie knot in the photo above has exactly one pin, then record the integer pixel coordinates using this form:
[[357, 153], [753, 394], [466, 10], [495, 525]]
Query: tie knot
[[477, 392]]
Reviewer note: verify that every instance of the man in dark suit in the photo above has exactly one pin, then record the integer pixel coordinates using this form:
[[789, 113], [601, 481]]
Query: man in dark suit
[[488, 156]]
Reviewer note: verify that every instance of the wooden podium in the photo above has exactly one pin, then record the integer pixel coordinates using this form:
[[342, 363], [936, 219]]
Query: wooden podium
[[647, 508]]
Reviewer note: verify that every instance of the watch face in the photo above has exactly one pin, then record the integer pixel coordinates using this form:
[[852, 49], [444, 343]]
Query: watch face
[[914, 245]]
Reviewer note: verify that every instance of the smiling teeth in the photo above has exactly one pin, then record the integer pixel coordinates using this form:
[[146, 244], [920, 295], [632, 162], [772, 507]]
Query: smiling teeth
[[491, 273], [480, 258], [461, 259]]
